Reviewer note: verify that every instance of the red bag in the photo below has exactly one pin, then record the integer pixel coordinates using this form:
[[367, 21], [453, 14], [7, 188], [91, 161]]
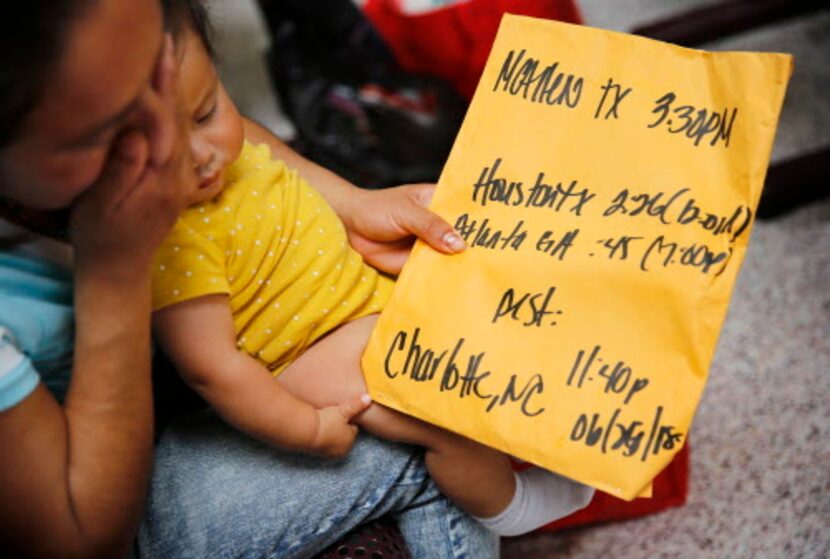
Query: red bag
[[669, 490], [453, 42]]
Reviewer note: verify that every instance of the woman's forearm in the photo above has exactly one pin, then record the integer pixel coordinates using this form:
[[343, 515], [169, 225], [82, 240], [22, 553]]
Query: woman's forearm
[[73, 478], [81, 469], [109, 411], [381, 224], [337, 191]]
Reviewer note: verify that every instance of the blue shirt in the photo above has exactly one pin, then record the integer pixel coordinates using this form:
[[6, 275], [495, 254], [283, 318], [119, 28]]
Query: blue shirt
[[36, 327]]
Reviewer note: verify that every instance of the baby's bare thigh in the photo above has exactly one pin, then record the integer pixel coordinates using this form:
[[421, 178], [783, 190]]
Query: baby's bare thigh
[[329, 371]]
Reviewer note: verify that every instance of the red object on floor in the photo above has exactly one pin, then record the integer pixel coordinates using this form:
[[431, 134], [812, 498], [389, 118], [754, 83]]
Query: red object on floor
[[669, 490], [453, 42]]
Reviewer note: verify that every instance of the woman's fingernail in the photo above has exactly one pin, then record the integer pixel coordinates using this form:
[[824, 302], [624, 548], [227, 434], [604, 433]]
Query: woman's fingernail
[[366, 399], [454, 242]]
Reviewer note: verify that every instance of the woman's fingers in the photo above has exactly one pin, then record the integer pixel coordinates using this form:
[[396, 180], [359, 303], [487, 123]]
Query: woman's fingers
[[387, 257], [121, 173], [384, 223], [433, 230], [414, 217], [163, 114], [163, 79]]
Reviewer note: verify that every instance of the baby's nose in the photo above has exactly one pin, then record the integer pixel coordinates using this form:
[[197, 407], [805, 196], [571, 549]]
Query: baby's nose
[[201, 152]]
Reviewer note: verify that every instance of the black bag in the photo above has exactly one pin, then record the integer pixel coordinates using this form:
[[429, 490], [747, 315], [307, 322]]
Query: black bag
[[355, 111]]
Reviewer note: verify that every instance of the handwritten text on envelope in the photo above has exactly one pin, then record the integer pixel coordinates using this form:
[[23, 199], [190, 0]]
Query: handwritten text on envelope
[[606, 186]]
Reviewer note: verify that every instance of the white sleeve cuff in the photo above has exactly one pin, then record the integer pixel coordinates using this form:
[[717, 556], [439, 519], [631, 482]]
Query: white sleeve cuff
[[18, 377]]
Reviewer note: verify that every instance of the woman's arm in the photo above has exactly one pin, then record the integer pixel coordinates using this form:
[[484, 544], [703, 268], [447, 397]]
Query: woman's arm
[[73, 478], [336, 190], [382, 224], [198, 336], [77, 473]]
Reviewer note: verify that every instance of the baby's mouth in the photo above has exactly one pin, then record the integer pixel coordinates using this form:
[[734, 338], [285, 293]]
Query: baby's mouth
[[209, 180]]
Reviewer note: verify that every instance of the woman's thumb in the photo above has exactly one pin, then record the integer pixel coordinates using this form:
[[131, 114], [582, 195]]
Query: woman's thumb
[[429, 227]]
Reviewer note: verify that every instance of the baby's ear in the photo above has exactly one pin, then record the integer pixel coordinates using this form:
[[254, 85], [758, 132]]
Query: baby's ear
[[52, 224]]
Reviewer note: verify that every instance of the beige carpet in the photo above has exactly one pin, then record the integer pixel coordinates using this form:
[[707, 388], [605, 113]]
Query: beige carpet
[[760, 461]]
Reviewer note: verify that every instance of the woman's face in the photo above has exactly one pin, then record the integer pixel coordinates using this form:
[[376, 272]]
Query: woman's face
[[102, 85]]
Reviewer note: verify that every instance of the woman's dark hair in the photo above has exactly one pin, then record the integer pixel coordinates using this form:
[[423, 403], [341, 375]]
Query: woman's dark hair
[[32, 33], [179, 14]]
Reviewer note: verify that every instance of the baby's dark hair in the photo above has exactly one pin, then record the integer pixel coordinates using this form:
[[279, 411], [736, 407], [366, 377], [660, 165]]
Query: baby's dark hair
[[181, 14]]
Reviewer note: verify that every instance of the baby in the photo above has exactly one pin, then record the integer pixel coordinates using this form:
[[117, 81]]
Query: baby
[[258, 282]]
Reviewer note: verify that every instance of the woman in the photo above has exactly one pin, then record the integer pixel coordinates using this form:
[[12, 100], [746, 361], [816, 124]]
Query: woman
[[88, 121]]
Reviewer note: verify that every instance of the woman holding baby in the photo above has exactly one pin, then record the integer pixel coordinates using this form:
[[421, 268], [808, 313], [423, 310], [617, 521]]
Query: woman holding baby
[[94, 149]]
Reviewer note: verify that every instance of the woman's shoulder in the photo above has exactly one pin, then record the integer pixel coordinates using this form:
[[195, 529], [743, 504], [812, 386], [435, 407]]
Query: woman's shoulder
[[36, 324], [36, 304], [31, 277]]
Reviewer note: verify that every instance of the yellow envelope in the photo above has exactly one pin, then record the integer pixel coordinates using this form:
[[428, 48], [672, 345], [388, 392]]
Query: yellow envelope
[[606, 185]]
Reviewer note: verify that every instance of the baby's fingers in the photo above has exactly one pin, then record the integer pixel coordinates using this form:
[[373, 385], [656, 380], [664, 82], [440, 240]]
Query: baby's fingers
[[355, 406]]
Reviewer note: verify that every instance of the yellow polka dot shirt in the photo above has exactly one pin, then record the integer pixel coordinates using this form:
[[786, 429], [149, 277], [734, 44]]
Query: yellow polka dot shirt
[[275, 247]]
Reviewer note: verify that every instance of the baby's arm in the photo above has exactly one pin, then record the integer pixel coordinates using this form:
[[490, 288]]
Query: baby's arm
[[198, 335]]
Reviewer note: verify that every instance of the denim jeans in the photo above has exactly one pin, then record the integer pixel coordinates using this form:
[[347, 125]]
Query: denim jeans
[[217, 493]]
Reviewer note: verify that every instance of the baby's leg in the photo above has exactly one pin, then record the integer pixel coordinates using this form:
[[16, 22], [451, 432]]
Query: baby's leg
[[477, 478]]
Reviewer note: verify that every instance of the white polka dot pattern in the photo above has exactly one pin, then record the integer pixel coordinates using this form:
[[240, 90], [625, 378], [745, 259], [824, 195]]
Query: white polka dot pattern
[[275, 247]]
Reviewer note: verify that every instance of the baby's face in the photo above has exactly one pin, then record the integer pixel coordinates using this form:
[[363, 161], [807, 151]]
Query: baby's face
[[216, 128]]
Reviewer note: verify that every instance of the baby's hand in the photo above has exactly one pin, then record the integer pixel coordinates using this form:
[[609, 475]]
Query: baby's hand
[[335, 432]]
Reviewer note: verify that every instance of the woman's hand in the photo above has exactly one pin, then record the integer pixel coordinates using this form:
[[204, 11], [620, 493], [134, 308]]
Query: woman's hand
[[118, 223], [383, 224]]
